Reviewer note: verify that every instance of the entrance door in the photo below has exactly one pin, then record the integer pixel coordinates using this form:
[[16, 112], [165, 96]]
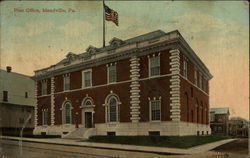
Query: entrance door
[[88, 119]]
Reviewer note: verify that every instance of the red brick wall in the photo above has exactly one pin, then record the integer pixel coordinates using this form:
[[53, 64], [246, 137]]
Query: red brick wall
[[123, 70], [198, 95], [143, 67], [76, 80], [99, 75], [165, 67], [43, 103], [98, 95], [48, 86], [155, 88], [190, 68], [39, 87], [164, 64], [192, 102], [58, 83]]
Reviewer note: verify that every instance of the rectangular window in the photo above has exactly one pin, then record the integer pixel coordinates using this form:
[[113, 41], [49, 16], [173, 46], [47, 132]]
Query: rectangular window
[[44, 88], [198, 133], [154, 66], [112, 74], [154, 133], [205, 85], [195, 78], [5, 95], [110, 133], [185, 69], [26, 94], [200, 81], [45, 117], [87, 79], [66, 83], [155, 110]]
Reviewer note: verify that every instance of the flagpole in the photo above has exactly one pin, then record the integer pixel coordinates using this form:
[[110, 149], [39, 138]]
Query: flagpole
[[103, 24]]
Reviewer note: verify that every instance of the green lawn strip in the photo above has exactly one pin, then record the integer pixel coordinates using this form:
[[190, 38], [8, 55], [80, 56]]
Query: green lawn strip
[[158, 141]]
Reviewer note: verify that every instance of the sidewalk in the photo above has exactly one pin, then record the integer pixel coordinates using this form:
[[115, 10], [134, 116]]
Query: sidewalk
[[70, 142]]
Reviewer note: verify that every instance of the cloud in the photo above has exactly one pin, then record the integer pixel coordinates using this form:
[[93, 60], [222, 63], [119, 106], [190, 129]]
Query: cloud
[[76, 28], [32, 28]]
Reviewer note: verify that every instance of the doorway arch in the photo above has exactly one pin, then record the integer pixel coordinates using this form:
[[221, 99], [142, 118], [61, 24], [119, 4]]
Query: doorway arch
[[87, 112]]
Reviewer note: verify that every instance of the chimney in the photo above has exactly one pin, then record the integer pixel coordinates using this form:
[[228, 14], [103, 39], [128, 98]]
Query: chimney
[[8, 68]]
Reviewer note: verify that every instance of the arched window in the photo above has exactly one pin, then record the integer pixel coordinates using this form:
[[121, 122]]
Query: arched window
[[202, 112], [67, 113], [197, 110], [206, 114], [113, 109], [87, 102], [192, 115], [187, 105]]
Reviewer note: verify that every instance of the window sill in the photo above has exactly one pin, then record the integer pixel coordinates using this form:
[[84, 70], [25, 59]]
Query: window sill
[[67, 125], [44, 95], [112, 123], [155, 121], [87, 87], [155, 76], [197, 86], [110, 83]]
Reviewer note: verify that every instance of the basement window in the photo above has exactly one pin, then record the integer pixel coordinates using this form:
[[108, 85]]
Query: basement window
[[111, 134], [154, 133]]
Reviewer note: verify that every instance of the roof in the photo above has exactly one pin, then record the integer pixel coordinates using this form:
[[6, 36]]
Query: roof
[[143, 37], [4, 72], [220, 110], [238, 118], [92, 56]]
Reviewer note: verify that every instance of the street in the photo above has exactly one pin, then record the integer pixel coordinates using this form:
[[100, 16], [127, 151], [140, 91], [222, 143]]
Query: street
[[11, 149]]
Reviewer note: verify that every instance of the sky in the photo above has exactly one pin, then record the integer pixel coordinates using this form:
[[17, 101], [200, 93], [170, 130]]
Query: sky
[[218, 31]]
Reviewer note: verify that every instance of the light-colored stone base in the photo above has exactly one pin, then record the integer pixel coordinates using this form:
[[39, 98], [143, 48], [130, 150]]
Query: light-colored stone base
[[170, 128], [54, 130]]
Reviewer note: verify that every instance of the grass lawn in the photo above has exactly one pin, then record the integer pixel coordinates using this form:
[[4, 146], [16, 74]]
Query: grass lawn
[[159, 141]]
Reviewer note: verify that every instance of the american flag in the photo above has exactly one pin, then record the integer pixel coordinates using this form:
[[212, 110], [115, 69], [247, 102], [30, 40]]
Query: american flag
[[111, 15]]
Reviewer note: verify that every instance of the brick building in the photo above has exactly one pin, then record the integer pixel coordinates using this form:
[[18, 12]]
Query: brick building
[[219, 121], [150, 84], [17, 100]]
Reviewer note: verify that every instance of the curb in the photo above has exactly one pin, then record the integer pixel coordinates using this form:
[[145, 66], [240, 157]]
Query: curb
[[121, 147]]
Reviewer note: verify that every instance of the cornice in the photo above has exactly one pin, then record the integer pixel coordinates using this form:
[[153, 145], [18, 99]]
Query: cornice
[[111, 58], [171, 40]]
